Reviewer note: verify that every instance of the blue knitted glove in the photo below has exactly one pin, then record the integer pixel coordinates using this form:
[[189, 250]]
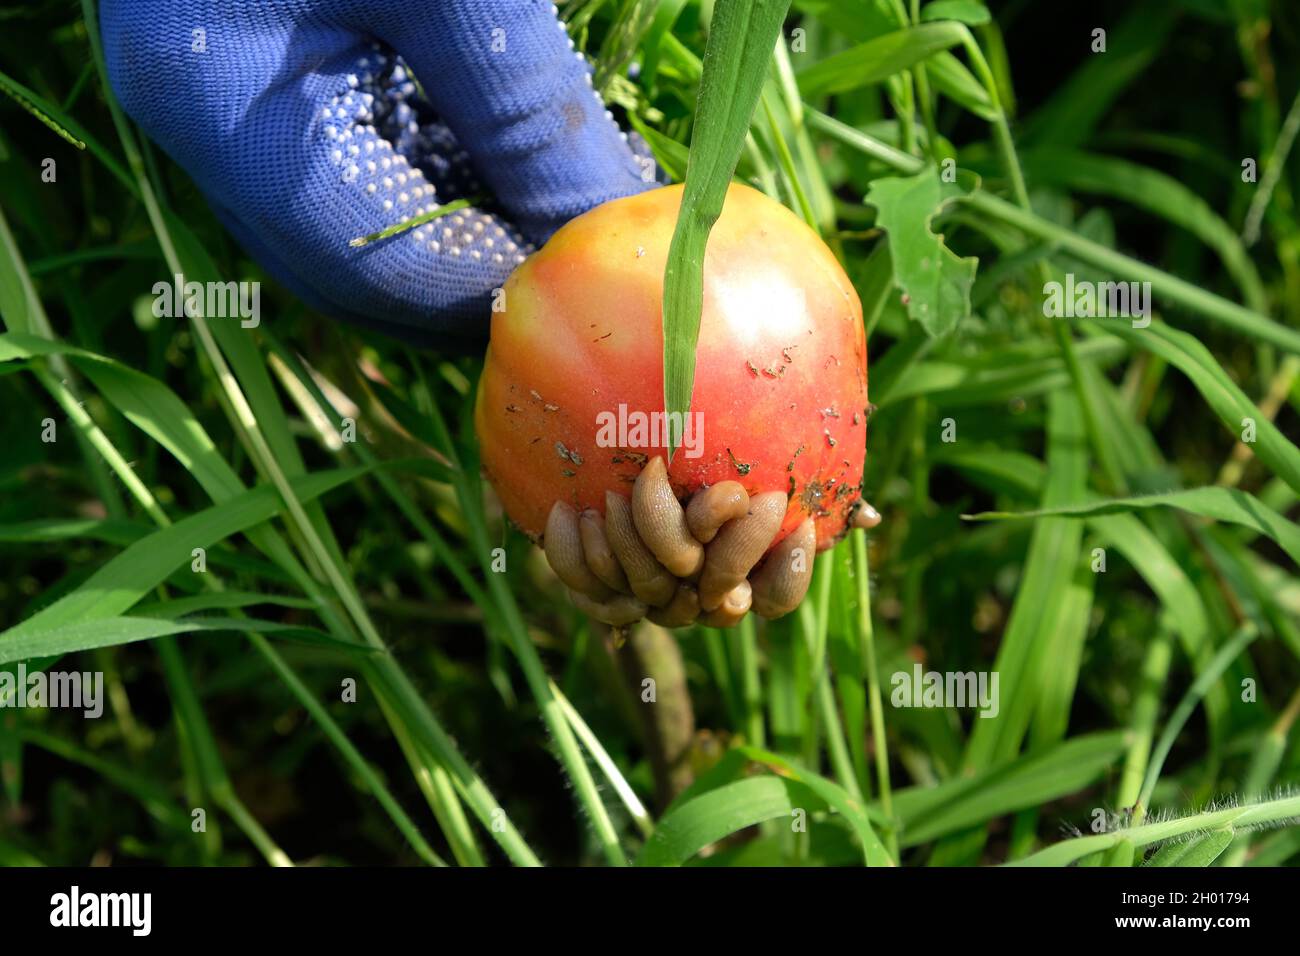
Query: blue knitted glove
[[302, 122]]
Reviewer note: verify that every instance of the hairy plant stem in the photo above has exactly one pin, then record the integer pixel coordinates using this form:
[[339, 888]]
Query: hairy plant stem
[[867, 637], [1253, 814]]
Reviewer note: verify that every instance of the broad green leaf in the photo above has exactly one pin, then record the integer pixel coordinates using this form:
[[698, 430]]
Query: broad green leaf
[[934, 281], [741, 38], [878, 59], [992, 209]]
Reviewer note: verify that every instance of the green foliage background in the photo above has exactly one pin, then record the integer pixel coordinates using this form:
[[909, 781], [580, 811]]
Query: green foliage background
[[492, 722]]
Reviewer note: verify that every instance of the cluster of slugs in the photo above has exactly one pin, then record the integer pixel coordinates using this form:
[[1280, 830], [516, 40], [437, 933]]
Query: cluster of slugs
[[652, 558]]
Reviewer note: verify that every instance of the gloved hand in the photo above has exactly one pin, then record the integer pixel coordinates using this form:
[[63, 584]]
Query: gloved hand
[[303, 124]]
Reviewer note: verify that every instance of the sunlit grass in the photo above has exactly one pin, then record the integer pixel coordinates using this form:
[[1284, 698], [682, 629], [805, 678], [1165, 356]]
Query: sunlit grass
[[1132, 580]]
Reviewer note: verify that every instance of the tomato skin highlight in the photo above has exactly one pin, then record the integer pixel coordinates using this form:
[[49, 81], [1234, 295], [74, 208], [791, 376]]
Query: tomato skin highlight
[[780, 391]]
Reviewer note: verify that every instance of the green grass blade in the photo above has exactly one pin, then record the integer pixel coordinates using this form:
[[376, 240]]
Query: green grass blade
[[1155, 192], [1174, 726], [1218, 504], [1164, 285], [345, 747], [950, 77], [970, 12], [741, 39], [144, 565], [1223, 395], [152, 795], [112, 631], [699, 818], [928, 813], [834, 796], [1200, 852], [878, 59], [694, 824], [1255, 814], [28, 101], [1049, 569]]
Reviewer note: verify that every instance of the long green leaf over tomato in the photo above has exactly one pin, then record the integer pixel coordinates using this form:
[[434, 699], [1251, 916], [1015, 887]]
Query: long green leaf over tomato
[[741, 38]]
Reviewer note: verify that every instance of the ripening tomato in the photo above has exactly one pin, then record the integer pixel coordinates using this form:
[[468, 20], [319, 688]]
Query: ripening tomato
[[571, 400]]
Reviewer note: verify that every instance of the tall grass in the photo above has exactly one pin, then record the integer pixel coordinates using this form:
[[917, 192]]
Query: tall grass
[[1072, 504]]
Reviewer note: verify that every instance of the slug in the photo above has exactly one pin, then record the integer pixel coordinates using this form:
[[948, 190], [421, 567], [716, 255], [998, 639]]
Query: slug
[[711, 508], [562, 543], [649, 580], [662, 523], [735, 605], [782, 581], [595, 548], [738, 546]]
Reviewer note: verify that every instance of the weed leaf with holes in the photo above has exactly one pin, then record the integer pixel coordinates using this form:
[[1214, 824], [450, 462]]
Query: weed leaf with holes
[[934, 281]]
